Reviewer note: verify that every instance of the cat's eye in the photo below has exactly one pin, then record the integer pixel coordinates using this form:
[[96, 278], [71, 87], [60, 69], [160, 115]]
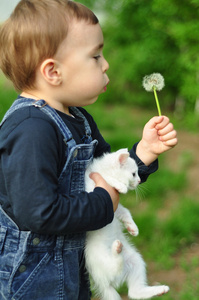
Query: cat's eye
[[134, 174]]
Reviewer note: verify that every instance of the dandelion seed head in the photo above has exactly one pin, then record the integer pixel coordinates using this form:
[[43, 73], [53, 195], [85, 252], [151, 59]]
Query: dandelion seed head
[[154, 80]]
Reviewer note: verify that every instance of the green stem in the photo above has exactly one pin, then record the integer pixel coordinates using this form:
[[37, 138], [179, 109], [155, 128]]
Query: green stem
[[157, 102]]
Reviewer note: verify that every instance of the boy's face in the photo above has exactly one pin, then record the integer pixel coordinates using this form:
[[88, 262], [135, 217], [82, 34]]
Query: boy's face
[[82, 64]]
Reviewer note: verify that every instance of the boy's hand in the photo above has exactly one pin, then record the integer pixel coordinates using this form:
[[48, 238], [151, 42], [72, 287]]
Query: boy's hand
[[100, 182], [158, 137]]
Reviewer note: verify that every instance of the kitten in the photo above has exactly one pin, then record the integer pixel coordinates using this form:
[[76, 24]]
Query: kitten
[[110, 259]]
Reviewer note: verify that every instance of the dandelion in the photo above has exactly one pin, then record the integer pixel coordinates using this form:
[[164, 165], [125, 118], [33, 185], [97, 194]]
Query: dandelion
[[153, 83]]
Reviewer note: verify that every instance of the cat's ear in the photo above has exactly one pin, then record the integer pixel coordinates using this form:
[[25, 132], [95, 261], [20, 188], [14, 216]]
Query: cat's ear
[[123, 158]]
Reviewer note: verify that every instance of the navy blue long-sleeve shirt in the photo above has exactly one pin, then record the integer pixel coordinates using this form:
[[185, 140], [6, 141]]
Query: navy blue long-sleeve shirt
[[32, 155]]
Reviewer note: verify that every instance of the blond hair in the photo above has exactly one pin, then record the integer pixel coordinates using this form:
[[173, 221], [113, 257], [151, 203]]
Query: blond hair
[[33, 33]]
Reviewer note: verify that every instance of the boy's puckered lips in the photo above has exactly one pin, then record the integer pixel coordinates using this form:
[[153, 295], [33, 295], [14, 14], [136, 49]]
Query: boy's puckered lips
[[105, 88]]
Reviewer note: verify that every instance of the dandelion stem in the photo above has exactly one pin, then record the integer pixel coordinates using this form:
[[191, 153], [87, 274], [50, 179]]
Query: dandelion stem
[[157, 102]]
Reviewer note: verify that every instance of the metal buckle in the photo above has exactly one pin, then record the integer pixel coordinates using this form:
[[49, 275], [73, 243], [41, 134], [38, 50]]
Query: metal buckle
[[38, 105]]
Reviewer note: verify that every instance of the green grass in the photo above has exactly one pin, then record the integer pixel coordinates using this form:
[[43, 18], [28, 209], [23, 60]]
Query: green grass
[[167, 218]]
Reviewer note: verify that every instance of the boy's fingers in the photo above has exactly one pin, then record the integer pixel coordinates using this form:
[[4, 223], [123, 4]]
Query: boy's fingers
[[158, 123], [153, 122], [162, 124], [98, 179], [167, 129], [171, 143], [168, 136], [93, 175]]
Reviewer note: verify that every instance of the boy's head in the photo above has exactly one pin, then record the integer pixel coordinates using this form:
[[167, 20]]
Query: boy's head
[[33, 33]]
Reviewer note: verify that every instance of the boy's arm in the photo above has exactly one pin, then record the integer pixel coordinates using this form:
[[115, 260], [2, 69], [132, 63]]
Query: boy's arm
[[143, 170], [30, 162]]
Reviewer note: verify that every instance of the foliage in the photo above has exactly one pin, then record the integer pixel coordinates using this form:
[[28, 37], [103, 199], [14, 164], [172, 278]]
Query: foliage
[[7, 95], [142, 37]]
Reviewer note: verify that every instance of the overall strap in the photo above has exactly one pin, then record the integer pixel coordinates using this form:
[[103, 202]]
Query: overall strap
[[42, 105], [51, 112], [17, 104]]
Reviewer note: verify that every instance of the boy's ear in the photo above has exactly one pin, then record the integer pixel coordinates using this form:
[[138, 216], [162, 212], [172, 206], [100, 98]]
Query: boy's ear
[[51, 72]]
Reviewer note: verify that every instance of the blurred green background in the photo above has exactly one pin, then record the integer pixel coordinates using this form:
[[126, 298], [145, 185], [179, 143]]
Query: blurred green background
[[143, 37]]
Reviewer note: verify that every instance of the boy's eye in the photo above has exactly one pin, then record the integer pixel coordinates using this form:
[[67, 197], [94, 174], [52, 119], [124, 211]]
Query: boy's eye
[[97, 57]]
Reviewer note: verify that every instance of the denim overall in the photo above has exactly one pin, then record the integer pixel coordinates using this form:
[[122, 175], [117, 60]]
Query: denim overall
[[47, 267]]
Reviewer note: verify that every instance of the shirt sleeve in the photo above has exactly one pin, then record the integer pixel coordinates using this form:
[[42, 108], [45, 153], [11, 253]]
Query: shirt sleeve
[[30, 164], [143, 170]]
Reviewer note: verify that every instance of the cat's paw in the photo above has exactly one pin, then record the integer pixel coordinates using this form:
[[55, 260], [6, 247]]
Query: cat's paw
[[165, 289], [132, 228], [121, 188], [117, 247], [147, 292]]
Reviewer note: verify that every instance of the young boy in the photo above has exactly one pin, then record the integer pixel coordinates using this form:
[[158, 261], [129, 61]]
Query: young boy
[[52, 52]]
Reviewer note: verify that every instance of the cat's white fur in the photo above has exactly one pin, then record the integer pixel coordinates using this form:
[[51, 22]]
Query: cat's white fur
[[110, 258]]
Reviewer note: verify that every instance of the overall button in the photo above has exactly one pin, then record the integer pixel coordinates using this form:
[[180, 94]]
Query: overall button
[[75, 153], [36, 241], [22, 268]]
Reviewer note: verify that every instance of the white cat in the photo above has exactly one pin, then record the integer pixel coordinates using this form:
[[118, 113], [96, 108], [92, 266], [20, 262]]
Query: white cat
[[110, 259]]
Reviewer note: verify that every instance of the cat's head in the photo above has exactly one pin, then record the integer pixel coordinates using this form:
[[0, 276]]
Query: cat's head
[[128, 170]]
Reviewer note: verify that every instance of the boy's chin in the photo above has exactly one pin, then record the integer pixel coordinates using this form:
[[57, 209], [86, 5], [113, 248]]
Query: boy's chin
[[91, 101]]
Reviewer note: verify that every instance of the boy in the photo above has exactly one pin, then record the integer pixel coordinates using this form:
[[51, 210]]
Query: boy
[[52, 52]]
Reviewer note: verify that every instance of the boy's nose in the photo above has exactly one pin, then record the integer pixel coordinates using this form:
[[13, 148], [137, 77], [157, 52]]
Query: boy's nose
[[105, 65]]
